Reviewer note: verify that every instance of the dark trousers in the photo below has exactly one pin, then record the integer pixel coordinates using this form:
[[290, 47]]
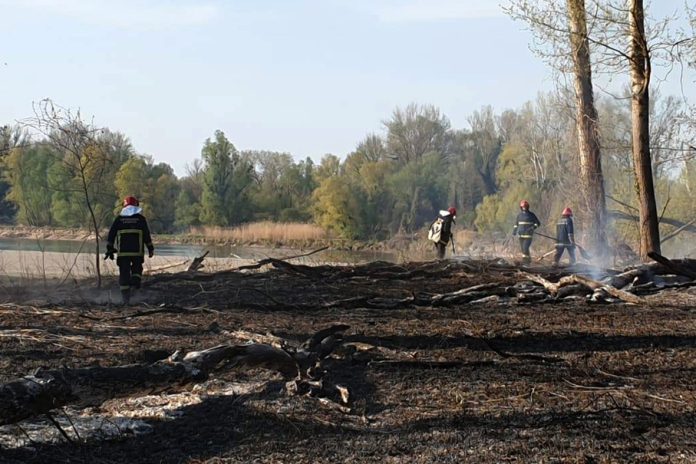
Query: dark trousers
[[559, 253], [130, 271], [525, 243], [441, 248]]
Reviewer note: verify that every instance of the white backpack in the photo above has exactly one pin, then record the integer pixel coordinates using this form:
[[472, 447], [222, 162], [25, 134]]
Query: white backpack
[[435, 231]]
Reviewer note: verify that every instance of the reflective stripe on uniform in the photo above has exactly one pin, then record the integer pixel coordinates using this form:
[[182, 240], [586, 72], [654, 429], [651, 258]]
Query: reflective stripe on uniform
[[139, 232], [124, 287], [526, 223], [526, 236]]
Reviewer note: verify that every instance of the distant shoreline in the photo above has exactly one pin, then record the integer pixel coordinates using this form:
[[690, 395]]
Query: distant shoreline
[[213, 238]]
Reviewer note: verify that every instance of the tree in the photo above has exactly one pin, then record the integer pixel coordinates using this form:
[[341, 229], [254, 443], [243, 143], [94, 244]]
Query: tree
[[85, 158], [155, 186], [337, 207], [416, 130], [561, 31], [29, 189], [10, 139], [227, 176], [592, 178], [188, 202], [329, 166], [641, 71]]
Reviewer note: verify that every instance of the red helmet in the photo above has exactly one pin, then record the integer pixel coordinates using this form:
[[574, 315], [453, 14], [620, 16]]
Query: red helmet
[[452, 210], [524, 204], [130, 201], [567, 212]]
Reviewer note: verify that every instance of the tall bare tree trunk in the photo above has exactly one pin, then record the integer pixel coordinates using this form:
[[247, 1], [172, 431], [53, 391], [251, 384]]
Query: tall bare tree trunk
[[593, 208], [640, 115]]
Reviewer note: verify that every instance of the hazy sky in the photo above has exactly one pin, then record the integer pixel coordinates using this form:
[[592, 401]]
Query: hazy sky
[[307, 77]]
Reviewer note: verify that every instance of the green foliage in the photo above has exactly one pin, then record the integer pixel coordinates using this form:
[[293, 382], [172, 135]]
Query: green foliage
[[329, 166], [337, 207], [227, 178], [155, 186], [419, 191], [392, 182], [29, 185]]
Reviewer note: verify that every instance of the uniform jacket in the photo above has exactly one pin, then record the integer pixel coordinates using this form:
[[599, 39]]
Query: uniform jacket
[[525, 224], [564, 231], [129, 234]]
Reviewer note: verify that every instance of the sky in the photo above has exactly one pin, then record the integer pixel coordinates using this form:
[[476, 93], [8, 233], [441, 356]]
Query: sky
[[307, 77]]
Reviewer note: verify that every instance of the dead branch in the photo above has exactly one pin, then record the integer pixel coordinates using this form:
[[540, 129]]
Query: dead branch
[[468, 294], [197, 262], [46, 390], [150, 312], [615, 292], [152, 270], [266, 261]]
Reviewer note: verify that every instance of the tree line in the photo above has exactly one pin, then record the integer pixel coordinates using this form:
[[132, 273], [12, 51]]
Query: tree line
[[394, 181]]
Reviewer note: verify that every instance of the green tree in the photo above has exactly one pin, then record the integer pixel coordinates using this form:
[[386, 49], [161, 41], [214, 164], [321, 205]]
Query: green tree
[[227, 177], [155, 186], [27, 169], [337, 207], [329, 166], [188, 202], [10, 138]]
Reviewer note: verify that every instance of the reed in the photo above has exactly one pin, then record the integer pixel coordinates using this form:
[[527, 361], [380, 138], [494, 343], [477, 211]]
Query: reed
[[265, 231]]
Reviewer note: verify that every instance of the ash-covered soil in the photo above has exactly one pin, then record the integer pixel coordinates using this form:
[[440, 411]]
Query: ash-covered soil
[[493, 380]]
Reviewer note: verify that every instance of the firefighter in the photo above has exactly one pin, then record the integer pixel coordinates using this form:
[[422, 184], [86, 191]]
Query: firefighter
[[565, 239], [128, 236], [524, 228], [440, 230]]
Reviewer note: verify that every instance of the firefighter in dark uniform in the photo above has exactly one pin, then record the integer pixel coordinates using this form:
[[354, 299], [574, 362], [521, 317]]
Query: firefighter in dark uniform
[[524, 228], [128, 236], [565, 239], [447, 218]]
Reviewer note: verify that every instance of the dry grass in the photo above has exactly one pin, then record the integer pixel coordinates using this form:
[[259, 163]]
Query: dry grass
[[263, 232]]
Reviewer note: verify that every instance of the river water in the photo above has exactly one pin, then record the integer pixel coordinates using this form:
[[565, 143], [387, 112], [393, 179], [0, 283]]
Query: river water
[[192, 250]]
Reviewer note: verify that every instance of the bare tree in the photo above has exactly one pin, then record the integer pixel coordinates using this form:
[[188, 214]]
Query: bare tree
[[82, 154], [641, 72], [617, 32], [551, 28], [592, 179]]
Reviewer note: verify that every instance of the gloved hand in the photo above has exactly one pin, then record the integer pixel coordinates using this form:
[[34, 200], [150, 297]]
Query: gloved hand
[[150, 252], [110, 251]]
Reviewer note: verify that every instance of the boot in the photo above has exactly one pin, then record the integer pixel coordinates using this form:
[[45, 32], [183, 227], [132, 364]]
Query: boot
[[125, 296]]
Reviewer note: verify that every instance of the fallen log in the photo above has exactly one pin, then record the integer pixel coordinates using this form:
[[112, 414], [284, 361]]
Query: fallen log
[[553, 288], [615, 292], [626, 278], [49, 389], [46, 390], [672, 266], [548, 285]]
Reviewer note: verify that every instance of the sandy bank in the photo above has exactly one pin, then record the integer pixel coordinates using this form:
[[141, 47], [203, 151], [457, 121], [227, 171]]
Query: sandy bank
[[54, 265]]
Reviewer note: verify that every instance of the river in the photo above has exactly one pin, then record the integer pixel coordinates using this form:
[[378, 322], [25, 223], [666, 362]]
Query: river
[[55, 258]]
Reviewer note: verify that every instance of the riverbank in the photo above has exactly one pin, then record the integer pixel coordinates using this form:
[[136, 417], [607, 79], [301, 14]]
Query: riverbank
[[263, 234]]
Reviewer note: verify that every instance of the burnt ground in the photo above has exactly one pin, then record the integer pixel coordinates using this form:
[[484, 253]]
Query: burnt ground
[[492, 381]]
